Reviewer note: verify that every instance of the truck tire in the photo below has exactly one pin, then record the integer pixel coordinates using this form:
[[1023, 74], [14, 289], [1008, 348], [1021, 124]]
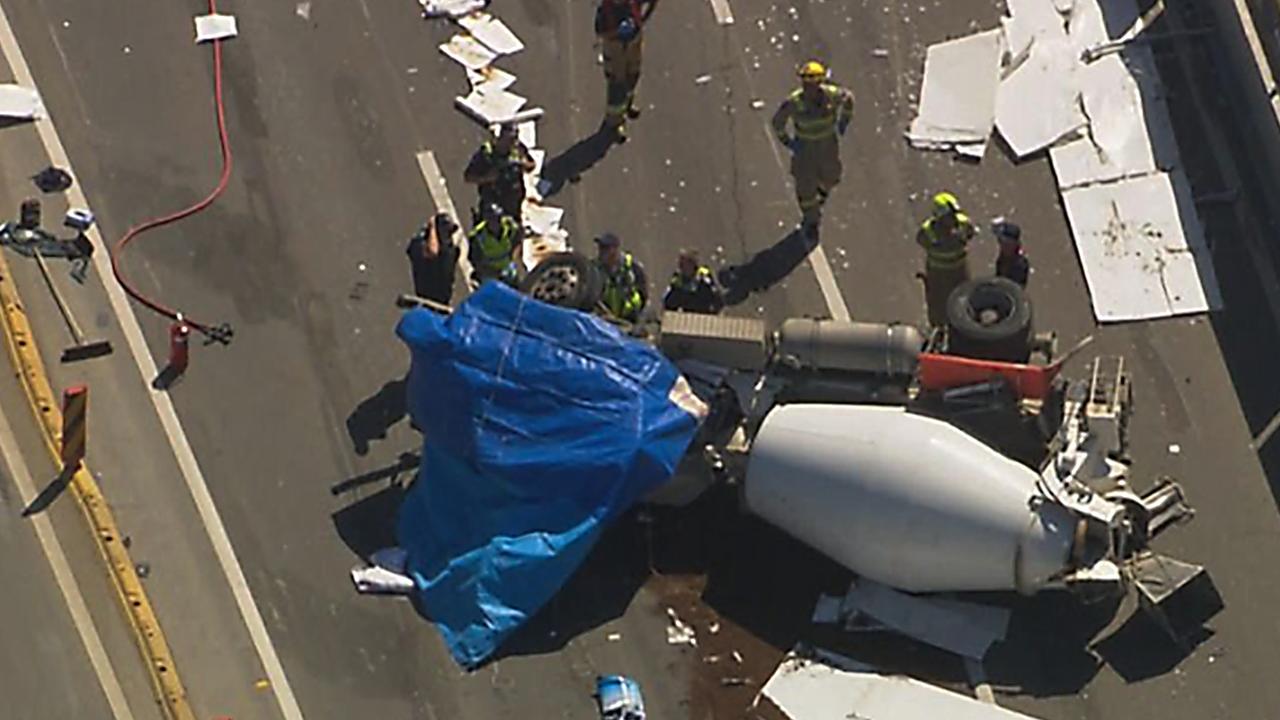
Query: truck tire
[[989, 319], [566, 279]]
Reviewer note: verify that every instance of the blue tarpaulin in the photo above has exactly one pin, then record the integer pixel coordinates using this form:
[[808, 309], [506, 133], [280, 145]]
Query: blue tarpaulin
[[541, 425]]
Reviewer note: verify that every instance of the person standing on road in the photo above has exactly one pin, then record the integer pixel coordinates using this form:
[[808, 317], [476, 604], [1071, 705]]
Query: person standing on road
[[433, 257], [618, 25], [497, 170], [494, 245], [819, 112], [693, 288], [945, 238], [1012, 262], [626, 288]]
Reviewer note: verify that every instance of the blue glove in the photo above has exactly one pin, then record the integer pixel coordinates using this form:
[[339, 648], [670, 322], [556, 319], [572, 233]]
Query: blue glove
[[627, 30]]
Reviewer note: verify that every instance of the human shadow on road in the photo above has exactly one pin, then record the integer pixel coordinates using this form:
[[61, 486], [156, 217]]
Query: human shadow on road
[[767, 267], [376, 414], [569, 165], [369, 524], [395, 472]]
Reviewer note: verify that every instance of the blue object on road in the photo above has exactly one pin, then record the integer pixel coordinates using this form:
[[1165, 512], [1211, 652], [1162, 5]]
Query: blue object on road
[[619, 698], [542, 425]]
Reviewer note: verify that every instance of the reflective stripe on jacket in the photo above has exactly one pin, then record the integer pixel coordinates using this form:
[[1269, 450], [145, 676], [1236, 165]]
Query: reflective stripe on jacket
[[492, 251], [946, 251], [622, 290], [816, 121]]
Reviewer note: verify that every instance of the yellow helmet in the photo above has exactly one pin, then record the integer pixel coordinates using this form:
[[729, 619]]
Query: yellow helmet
[[812, 71], [944, 203]]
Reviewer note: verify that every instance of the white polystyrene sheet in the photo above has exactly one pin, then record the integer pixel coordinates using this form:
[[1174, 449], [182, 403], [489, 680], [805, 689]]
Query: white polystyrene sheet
[[20, 102], [539, 156], [957, 100], [832, 686], [1037, 104], [1129, 129], [492, 32], [491, 107], [528, 133], [542, 219], [215, 27], [964, 628], [1028, 20], [535, 248], [490, 79], [468, 52], [1142, 248], [451, 8]]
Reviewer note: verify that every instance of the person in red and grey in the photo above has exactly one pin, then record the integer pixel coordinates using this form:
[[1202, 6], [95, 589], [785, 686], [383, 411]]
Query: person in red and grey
[[1012, 262], [618, 26]]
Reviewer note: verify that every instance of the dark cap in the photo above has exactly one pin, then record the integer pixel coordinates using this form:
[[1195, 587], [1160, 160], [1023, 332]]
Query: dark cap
[[1006, 231], [608, 240]]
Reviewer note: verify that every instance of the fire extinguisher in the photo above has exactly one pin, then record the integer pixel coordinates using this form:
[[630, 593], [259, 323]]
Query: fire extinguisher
[[179, 345]]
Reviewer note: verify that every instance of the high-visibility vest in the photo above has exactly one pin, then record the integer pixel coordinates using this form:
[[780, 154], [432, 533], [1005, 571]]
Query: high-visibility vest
[[690, 285], [493, 250], [816, 121], [622, 290], [945, 251]]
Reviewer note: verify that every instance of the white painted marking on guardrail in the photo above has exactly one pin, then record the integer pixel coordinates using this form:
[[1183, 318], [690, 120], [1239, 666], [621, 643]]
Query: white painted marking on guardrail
[[723, 13], [62, 574], [168, 416]]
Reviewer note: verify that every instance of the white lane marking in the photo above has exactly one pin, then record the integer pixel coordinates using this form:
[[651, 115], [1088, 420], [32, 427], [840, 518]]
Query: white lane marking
[[439, 190], [168, 416], [723, 13], [66, 580], [978, 680]]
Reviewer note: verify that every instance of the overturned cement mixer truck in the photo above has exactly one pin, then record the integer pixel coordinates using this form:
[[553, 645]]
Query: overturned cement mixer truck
[[939, 462]]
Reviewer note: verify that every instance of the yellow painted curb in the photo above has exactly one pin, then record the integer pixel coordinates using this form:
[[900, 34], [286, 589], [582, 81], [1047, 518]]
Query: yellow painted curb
[[21, 343]]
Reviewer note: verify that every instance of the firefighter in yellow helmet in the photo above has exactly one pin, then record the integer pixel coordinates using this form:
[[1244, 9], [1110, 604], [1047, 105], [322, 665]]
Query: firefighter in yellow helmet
[[819, 113], [945, 238]]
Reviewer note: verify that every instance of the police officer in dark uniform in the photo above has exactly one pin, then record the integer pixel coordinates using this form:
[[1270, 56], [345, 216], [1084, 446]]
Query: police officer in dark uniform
[[693, 287], [498, 168], [1012, 262]]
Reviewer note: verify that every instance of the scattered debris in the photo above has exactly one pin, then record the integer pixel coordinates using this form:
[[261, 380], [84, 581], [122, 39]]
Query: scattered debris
[[1175, 449], [757, 104], [713, 628], [492, 32], [52, 179], [678, 631], [491, 107], [21, 103], [827, 609], [143, 569], [1142, 248], [303, 10], [490, 79], [619, 698], [214, 27], [734, 681], [613, 637], [385, 574], [880, 53], [737, 657], [468, 52], [964, 628], [702, 80], [451, 8], [833, 686], [958, 99]]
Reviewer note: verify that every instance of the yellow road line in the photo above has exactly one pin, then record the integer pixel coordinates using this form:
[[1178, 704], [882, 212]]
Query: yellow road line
[[21, 344]]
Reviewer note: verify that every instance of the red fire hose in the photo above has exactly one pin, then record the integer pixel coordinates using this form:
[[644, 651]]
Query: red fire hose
[[215, 333]]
